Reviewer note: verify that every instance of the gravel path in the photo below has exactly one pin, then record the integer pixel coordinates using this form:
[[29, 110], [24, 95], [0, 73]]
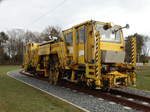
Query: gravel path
[[88, 102]]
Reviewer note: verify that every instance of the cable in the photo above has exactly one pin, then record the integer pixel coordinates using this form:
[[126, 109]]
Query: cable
[[50, 11]]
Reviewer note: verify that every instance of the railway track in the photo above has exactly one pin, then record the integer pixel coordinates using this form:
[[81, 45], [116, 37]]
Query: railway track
[[133, 101]]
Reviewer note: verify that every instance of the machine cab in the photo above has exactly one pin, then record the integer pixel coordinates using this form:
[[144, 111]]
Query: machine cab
[[80, 42], [112, 43]]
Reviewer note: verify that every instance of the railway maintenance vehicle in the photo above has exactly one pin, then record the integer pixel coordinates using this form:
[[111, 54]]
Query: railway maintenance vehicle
[[91, 53]]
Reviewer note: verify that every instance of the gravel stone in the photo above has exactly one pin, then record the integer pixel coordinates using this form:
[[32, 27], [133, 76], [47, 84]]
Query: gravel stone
[[92, 104]]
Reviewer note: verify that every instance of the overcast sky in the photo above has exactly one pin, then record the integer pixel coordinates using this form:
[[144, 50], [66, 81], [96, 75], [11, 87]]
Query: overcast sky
[[35, 15]]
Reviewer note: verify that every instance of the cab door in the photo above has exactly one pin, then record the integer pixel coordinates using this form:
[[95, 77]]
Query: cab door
[[68, 35], [81, 39]]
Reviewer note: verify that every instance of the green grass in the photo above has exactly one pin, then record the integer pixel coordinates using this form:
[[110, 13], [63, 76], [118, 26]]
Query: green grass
[[18, 97], [143, 78]]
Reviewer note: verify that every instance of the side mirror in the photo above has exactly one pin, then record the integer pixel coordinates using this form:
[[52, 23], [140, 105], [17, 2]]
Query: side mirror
[[127, 26], [107, 26]]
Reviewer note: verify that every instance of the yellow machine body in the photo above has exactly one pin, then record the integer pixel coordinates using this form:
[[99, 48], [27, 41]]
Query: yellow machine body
[[92, 53]]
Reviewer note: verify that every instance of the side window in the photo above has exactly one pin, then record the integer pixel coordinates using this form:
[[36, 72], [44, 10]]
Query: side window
[[82, 35], [69, 39]]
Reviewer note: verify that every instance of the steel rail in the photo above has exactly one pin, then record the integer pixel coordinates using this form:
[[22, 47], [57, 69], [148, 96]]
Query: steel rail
[[130, 95]]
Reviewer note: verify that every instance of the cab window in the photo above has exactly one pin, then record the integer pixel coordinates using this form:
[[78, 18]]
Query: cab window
[[69, 38], [109, 35], [81, 34]]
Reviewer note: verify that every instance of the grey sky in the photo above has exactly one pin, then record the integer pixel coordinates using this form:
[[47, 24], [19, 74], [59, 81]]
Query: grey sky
[[26, 14]]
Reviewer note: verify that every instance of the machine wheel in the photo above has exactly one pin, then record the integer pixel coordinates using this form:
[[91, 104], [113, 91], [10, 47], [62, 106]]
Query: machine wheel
[[55, 76], [50, 77], [90, 84], [105, 89]]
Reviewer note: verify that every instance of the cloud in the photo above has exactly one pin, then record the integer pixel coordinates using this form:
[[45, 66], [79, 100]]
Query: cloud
[[1, 0], [23, 13], [133, 5]]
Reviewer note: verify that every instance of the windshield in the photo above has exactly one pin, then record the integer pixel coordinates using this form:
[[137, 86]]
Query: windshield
[[109, 35]]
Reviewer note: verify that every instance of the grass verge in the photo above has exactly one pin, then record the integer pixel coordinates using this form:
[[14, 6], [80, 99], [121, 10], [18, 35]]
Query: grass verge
[[143, 78], [18, 97]]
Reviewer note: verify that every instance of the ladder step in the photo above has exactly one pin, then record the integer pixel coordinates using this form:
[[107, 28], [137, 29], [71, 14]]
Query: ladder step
[[91, 73], [91, 70]]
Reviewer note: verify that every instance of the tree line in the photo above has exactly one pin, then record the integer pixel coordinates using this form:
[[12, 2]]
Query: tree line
[[12, 44], [142, 50]]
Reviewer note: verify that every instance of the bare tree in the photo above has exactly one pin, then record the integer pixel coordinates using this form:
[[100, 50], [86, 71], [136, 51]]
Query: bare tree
[[15, 45], [53, 31], [32, 37], [3, 40]]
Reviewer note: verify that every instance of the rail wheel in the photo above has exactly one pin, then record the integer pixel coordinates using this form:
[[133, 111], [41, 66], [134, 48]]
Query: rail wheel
[[90, 83], [50, 77], [55, 76]]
